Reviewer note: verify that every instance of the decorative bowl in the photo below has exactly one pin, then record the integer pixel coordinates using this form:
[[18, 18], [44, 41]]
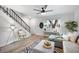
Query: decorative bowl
[[47, 44]]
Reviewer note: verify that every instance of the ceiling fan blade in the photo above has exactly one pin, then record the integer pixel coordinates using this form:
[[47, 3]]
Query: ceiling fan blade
[[38, 13], [49, 11], [45, 6], [36, 10], [4, 27]]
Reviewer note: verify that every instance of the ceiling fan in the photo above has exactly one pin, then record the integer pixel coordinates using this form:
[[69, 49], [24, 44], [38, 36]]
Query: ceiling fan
[[43, 10]]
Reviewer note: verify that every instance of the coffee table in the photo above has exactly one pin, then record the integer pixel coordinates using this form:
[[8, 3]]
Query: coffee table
[[40, 49]]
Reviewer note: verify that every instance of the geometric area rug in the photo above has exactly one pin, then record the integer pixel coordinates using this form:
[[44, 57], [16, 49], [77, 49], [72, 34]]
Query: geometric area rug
[[56, 49]]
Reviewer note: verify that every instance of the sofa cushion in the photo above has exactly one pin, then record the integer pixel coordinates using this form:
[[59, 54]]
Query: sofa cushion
[[51, 37], [70, 47], [72, 36], [65, 37]]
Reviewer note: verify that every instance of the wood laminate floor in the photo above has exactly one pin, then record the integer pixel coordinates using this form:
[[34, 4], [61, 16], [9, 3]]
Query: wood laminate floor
[[17, 46]]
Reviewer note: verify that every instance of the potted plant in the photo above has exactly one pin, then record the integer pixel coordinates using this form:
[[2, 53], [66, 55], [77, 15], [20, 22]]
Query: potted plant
[[71, 26]]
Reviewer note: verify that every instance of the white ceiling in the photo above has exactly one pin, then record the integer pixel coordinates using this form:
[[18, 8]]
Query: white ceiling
[[57, 9]]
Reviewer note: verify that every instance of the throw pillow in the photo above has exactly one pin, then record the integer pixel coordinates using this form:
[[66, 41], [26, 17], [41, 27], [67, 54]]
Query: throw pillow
[[72, 37]]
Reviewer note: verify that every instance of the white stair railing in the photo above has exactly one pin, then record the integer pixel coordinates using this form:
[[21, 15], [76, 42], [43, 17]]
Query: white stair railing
[[11, 13]]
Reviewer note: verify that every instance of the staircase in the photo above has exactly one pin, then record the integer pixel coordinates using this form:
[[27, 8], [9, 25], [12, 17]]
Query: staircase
[[11, 13]]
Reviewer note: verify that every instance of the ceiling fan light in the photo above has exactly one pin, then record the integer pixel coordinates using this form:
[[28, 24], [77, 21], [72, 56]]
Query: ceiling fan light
[[43, 13]]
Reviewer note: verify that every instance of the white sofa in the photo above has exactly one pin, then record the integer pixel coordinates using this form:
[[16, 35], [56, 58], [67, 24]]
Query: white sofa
[[70, 47]]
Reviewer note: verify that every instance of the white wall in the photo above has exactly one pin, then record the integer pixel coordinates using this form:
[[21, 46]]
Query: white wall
[[64, 18], [6, 34], [77, 17], [4, 30], [34, 22]]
